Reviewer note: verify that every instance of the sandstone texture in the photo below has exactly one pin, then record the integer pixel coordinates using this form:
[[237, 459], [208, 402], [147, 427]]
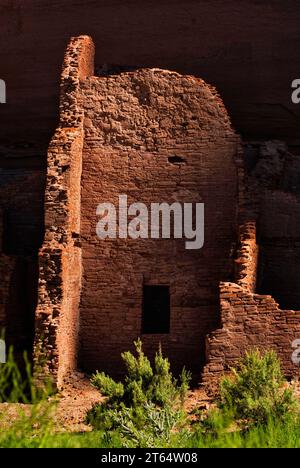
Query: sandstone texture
[[156, 136]]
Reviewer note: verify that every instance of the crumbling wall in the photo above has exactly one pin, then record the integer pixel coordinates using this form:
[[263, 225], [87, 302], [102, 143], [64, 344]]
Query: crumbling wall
[[60, 255], [267, 268], [249, 321], [156, 136], [247, 257]]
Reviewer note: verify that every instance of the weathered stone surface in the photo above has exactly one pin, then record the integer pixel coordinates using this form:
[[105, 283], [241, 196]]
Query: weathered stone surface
[[57, 318], [238, 46], [155, 136], [262, 325], [124, 130], [134, 124]]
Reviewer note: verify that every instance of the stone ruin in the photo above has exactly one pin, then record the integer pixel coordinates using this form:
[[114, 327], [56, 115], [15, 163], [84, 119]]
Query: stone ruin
[[156, 136]]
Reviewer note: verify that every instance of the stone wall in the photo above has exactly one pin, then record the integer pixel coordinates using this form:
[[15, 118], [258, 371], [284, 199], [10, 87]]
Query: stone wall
[[247, 257], [249, 321], [60, 255], [135, 124], [155, 136], [266, 263]]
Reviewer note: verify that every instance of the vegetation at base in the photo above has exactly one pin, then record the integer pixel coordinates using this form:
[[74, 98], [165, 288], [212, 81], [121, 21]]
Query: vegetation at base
[[147, 407], [18, 386], [256, 391], [31, 423], [256, 409]]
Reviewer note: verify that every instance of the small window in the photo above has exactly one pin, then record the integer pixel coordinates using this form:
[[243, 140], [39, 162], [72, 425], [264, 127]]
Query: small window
[[156, 309]]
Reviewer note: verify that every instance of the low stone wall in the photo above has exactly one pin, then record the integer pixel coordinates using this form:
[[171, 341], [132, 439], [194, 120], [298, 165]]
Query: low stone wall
[[249, 321]]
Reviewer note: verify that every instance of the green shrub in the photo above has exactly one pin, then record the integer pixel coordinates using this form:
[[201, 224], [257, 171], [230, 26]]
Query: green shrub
[[257, 391], [108, 386], [147, 406], [160, 420]]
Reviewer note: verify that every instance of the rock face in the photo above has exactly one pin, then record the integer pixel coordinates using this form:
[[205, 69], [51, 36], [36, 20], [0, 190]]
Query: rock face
[[238, 46], [155, 136]]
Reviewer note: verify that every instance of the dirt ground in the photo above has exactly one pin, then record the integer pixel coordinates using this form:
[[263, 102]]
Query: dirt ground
[[78, 396], [74, 401]]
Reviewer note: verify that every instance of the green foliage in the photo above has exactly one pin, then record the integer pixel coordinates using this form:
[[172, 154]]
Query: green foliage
[[19, 387], [257, 391], [13, 386], [30, 427], [153, 415], [32, 421], [256, 408], [108, 386], [147, 407], [274, 434], [151, 426]]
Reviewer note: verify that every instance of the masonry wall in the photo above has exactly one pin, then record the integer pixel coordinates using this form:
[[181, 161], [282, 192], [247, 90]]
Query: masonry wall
[[246, 261], [135, 124], [156, 136], [249, 321], [57, 318], [253, 309]]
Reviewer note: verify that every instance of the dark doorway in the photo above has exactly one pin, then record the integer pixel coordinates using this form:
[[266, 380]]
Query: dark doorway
[[156, 309]]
